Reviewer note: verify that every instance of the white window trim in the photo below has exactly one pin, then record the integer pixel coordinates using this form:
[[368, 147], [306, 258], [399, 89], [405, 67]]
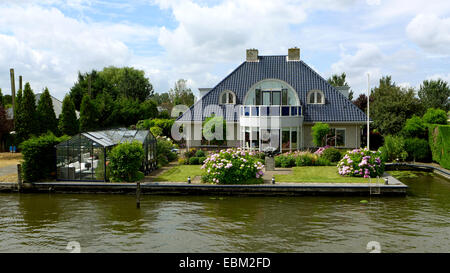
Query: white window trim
[[228, 92], [314, 93]]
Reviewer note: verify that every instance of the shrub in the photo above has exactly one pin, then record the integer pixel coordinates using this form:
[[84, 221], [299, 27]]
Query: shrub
[[435, 116], [304, 160], [200, 153], [319, 132], [125, 161], [201, 160], [39, 161], [321, 149], [193, 161], [190, 153], [417, 149], [164, 147], [156, 131], [233, 166], [323, 162], [286, 160], [331, 154], [393, 148], [415, 127], [182, 161], [439, 141], [362, 163]]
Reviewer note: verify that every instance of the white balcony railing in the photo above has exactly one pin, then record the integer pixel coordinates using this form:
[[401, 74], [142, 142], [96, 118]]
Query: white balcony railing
[[270, 111]]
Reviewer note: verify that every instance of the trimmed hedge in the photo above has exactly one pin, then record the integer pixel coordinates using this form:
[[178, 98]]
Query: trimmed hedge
[[39, 157], [439, 140], [417, 149], [332, 154]]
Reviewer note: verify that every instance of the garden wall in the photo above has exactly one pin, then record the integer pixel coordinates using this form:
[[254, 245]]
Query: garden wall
[[439, 140]]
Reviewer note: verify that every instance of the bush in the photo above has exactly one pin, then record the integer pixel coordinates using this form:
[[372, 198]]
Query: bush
[[331, 154], [164, 147], [201, 160], [439, 141], [415, 127], [319, 132], [200, 153], [361, 163], [233, 166], [183, 161], [435, 116], [39, 161], [304, 160], [193, 161], [125, 161], [417, 149], [156, 131], [190, 153], [393, 149], [286, 160]]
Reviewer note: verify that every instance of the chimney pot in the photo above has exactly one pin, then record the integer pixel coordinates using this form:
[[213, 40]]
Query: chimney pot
[[294, 54], [252, 55]]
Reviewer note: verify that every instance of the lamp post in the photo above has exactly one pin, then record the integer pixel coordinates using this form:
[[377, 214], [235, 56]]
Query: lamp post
[[368, 111]]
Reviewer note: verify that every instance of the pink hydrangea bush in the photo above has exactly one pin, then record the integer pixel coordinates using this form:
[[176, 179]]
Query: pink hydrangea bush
[[321, 149], [361, 163], [233, 166]]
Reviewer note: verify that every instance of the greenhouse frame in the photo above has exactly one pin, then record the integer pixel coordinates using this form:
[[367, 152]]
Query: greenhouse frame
[[82, 158]]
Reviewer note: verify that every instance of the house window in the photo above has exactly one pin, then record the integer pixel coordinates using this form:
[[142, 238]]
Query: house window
[[227, 97], [336, 137], [316, 97]]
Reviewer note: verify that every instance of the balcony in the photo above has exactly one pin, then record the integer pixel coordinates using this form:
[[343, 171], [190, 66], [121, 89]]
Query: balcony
[[270, 111], [270, 116]]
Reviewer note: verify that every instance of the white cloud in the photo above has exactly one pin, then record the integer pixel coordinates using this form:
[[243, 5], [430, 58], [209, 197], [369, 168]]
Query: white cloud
[[430, 32], [49, 48], [442, 76]]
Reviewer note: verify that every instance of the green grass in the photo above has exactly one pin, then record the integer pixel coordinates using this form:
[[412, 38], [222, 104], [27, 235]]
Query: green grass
[[180, 173], [318, 174]]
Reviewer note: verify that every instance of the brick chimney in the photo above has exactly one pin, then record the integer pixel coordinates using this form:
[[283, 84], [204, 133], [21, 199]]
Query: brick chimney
[[294, 54], [252, 55]]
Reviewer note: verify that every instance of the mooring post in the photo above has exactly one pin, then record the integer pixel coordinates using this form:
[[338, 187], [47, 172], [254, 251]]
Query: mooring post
[[19, 177], [138, 195]]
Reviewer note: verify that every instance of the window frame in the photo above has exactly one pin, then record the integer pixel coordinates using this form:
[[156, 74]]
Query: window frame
[[227, 93], [313, 94]]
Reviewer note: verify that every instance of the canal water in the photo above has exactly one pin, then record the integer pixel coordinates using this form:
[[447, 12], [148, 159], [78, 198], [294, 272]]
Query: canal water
[[419, 222]]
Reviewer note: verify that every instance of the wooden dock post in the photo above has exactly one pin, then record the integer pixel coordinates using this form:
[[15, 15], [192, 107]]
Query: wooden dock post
[[19, 177], [138, 195]]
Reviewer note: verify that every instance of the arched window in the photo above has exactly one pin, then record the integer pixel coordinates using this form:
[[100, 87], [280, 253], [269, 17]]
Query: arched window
[[227, 97], [316, 97]]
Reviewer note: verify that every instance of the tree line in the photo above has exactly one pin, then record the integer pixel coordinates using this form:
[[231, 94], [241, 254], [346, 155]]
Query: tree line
[[112, 97]]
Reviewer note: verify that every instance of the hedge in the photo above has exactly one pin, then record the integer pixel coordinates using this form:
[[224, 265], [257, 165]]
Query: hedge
[[126, 160], [439, 140], [39, 157]]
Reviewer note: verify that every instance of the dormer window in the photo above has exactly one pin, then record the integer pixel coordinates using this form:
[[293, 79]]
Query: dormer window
[[227, 97], [316, 97]]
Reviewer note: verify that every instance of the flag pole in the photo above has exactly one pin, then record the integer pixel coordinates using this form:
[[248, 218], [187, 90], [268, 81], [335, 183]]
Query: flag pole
[[368, 111]]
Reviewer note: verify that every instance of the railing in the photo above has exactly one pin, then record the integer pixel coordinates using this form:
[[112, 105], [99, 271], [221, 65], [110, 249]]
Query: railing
[[270, 111]]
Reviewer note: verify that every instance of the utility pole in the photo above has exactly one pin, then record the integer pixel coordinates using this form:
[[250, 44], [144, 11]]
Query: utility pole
[[13, 94], [20, 83], [368, 111]]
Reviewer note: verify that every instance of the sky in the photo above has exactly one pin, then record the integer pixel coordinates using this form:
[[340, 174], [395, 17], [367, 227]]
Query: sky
[[49, 41]]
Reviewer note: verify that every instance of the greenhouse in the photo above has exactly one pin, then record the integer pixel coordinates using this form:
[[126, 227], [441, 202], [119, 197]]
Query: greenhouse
[[84, 157]]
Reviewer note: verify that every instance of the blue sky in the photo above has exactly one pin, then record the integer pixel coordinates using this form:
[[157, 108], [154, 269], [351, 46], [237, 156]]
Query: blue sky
[[49, 41]]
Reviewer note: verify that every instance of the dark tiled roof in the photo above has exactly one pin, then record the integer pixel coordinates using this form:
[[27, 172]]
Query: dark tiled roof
[[299, 75]]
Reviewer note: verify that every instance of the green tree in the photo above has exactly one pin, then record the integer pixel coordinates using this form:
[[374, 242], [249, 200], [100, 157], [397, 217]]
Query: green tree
[[392, 106], [26, 118], [435, 116], [68, 122], [319, 132], [1, 98], [46, 114], [90, 83], [181, 94], [88, 114], [339, 80], [435, 94], [415, 127]]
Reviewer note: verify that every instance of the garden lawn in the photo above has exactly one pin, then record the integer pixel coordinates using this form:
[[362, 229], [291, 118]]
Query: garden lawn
[[318, 174], [180, 173]]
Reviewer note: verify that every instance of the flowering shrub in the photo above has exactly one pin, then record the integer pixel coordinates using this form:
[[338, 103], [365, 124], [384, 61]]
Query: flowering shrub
[[233, 166], [361, 162], [321, 149]]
